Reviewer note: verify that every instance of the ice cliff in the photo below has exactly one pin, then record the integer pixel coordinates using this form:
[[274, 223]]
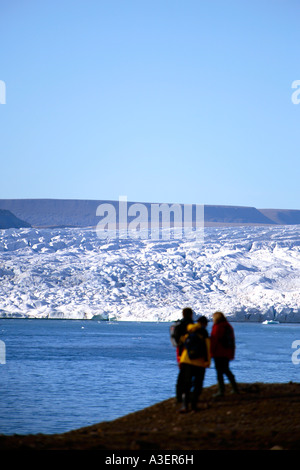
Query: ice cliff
[[251, 273]]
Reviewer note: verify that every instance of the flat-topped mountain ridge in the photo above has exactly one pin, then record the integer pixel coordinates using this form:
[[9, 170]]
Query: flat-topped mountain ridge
[[83, 213]]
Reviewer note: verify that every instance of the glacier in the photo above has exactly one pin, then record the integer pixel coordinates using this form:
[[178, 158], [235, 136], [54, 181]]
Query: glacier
[[251, 273]]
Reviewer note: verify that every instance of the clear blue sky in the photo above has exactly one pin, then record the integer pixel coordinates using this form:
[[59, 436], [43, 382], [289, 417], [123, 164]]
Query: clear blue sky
[[161, 101]]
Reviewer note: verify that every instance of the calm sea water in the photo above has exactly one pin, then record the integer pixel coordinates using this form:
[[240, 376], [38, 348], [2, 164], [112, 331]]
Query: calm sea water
[[62, 374]]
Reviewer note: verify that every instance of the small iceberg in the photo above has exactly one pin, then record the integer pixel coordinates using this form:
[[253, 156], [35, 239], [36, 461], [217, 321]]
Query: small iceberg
[[100, 317], [104, 317], [270, 322]]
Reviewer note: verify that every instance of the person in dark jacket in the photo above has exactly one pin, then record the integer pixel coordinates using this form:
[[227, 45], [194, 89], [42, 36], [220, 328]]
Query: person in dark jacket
[[222, 349], [187, 318]]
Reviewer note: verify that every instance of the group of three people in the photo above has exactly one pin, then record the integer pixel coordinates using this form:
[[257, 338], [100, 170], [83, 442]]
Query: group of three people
[[220, 346]]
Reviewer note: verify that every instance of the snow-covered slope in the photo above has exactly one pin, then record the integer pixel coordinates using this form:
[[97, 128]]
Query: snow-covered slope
[[9, 220], [250, 273]]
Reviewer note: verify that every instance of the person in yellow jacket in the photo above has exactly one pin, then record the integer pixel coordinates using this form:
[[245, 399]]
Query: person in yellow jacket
[[193, 364]]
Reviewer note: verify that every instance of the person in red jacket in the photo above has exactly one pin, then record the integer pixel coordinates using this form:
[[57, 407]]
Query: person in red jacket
[[222, 349]]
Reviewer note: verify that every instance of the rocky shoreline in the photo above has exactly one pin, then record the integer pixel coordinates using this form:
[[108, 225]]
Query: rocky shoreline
[[261, 417]]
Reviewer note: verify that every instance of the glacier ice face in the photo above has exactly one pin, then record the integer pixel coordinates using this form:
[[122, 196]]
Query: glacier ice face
[[250, 273]]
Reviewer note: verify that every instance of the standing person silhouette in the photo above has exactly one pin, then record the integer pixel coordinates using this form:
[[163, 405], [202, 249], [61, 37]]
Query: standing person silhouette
[[187, 318], [193, 363], [222, 348]]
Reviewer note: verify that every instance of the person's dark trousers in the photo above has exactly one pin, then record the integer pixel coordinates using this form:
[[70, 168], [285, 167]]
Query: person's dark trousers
[[222, 368], [192, 376], [179, 385]]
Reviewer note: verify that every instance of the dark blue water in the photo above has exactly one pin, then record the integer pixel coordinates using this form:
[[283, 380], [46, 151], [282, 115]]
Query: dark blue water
[[62, 374]]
